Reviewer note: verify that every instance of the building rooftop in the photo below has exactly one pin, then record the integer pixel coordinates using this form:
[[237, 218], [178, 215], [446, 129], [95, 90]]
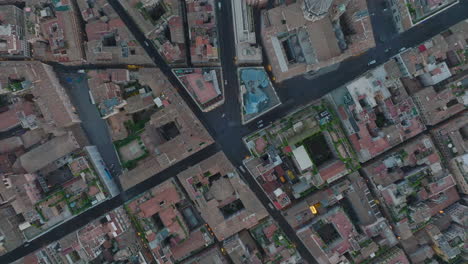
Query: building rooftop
[[17, 114], [419, 11], [168, 225], [172, 133], [210, 256], [50, 96], [404, 161], [458, 213], [205, 85], [258, 96], [242, 248], [441, 244], [203, 33], [109, 238], [284, 157], [247, 49], [287, 32], [12, 37], [329, 236], [452, 137], [376, 112], [60, 29], [317, 8], [274, 242], [162, 23], [55, 148], [105, 90], [438, 105], [302, 158], [413, 183], [166, 193], [431, 60], [109, 40], [300, 213], [24, 193], [94, 235], [223, 199]]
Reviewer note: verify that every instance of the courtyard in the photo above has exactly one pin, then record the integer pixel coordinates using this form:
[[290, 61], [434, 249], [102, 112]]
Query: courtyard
[[132, 150], [317, 148]]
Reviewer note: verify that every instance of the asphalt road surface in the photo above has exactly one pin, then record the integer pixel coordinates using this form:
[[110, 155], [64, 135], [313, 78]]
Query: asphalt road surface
[[228, 130], [382, 21]]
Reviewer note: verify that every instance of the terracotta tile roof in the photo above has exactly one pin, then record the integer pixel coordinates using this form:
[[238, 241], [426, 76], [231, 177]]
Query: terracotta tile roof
[[10, 118], [345, 228], [433, 158], [52, 98], [119, 75], [440, 185], [150, 207], [165, 197], [116, 23], [260, 145], [167, 216], [31, 259], [451, 197], [387, 197], [105, 91], [151, 236], [270, 230], [204, 91], [194, 242], [93, 190], [95, 30], [332, 170]]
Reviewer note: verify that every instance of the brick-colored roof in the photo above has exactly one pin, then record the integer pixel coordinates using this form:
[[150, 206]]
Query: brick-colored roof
[[332, 170], [203, 90], [153, 205], [116, 23], [94, 31], [119, 75], [451, 197], [194, 242], [345, 228], [52, 98], [270, 230], [11, 119]]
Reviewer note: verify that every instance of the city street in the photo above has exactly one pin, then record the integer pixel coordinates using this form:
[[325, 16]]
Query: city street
[[382, 21], [224, 122]]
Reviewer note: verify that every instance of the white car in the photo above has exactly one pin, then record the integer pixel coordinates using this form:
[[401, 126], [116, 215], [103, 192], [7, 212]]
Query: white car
[[371, 62], [241, 168]]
